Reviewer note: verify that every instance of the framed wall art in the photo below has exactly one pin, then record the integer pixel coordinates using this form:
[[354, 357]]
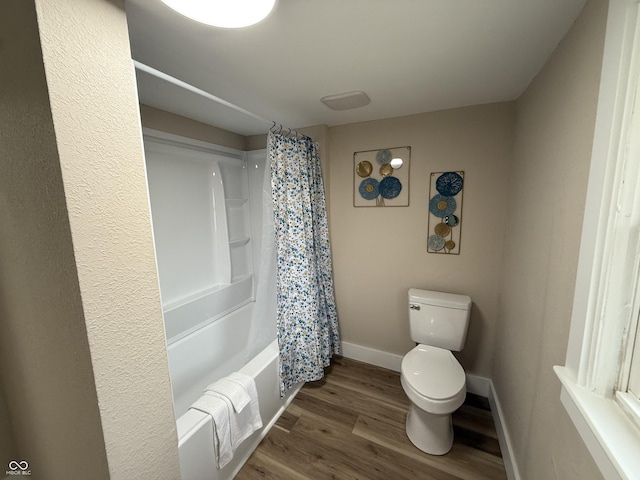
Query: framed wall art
[[381, 177], [445, 212]]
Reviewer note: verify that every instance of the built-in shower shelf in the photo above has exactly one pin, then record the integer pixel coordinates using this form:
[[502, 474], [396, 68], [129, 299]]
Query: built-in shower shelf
[[239, 242], [191, 312]]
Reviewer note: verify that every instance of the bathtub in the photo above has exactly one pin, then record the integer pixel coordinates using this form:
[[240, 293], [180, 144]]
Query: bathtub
[[203, 356], [210, 289]]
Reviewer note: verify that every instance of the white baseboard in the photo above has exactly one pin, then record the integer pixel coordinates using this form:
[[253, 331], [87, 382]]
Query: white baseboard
[[475, 384], [390, 361], [478, 385], [504, 439]]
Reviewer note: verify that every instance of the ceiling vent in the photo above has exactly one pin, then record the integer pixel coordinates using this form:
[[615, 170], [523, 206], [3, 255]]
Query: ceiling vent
[[346, 101]]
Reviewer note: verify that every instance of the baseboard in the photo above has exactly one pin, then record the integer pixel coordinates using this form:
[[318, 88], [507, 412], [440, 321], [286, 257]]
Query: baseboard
[[390, 361], [506, 447], [475, 384], [478, 385]]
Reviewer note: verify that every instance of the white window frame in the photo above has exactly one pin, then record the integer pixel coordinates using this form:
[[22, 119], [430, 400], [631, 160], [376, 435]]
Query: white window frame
[[634, 369], [605, 311]]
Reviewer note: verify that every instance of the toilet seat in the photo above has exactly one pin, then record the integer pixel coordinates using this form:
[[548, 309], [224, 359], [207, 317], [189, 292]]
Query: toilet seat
[[433, 379]]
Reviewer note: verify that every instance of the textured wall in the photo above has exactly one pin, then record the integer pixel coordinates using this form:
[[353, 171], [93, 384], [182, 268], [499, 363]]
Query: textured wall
[[97, 125], [83, 350], [44, 352], [379, 253], [555, 125]]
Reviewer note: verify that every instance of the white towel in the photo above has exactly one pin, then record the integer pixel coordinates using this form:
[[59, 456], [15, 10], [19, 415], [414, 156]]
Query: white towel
[[218, 409], [234, 391], [242, 423]]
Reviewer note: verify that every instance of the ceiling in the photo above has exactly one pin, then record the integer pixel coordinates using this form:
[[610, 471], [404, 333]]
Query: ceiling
[[409, 56]]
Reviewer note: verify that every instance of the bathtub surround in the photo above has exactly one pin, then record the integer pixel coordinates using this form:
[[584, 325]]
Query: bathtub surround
[[216, 262], [306, 315], [82, 344]]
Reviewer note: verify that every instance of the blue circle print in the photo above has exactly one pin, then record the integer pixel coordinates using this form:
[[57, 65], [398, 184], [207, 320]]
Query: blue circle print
[[441, 206], [451, 220], [390, 187], [369, 188], [436, 242], [383, 157], [449, 184]]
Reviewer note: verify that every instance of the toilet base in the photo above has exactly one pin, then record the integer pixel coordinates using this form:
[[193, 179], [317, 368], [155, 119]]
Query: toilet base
[[431, 433]]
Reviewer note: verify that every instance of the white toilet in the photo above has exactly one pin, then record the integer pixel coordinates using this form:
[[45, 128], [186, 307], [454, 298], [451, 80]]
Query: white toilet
[[431, 377]]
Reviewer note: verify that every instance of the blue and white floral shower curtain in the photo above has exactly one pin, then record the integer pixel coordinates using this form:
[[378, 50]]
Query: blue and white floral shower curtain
[[307, 320]]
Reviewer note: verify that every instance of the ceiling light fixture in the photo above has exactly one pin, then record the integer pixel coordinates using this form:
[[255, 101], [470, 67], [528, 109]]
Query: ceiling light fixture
[[346, 101], [223, 13]]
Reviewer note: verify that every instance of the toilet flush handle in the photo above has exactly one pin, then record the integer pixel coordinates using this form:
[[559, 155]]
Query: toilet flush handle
[[413, 306]]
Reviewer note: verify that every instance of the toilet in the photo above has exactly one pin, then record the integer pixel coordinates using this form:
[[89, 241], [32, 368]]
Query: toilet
[[432, 377]]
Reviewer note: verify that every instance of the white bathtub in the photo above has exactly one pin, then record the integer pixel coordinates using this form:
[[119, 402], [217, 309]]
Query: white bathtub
[[204, 356], [209, 317]]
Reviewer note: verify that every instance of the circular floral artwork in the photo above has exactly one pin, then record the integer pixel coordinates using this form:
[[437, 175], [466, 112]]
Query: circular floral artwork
[[369, 188], [390, 187], [449, 184], [386, 170], [451, 220], [383, 157], [364, 168], [442, 229], [441, 205], [436, 242]]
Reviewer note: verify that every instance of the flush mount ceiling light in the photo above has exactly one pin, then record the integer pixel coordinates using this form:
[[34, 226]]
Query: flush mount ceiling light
[[346, 101], [223, 13]]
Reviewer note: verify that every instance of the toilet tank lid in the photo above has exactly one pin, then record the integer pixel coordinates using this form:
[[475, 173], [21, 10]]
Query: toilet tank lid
[[440, 299]]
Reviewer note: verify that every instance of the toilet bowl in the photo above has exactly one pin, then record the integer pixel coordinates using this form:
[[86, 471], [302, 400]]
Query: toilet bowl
[[434, 382], [432, 378]]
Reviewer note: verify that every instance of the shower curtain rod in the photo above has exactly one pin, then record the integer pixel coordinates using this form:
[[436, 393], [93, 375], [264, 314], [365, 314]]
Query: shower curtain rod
[[198, 91]]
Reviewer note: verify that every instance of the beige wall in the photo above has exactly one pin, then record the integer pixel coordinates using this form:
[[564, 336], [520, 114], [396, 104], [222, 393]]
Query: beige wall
[[157, 119], [7, 445], [554, 132], [82, 346], [379, 253], [44, 351]]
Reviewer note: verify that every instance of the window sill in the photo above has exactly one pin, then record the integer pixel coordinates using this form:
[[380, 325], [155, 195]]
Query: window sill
[[610, 436]]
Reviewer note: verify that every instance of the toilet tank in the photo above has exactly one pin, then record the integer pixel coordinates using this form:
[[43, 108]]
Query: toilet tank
[[439, 319]]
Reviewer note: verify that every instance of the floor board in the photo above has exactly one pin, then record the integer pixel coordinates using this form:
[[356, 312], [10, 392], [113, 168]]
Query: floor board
[[351, 426]]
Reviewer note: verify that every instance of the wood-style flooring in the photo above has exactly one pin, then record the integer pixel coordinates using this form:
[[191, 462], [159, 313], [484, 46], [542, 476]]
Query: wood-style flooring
[[351, 426]]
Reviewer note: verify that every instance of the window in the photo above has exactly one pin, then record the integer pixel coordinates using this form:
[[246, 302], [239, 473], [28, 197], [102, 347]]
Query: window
[[601, 378], [634, 374], [624, 284]]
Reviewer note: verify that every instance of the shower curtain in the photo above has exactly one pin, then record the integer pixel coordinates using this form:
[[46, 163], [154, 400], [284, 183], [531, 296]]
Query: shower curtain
[[306, 312]]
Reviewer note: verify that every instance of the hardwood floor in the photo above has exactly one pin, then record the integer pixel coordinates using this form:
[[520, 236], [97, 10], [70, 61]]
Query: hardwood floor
[[351, 426]]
